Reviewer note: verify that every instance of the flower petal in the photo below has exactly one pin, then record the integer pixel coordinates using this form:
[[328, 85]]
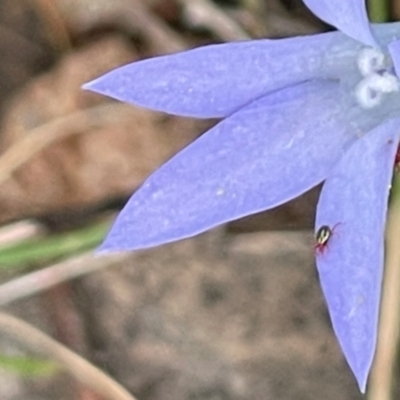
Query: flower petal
[[354, 200], [267, 153], [349, 16], [217, 80], [394, 50]]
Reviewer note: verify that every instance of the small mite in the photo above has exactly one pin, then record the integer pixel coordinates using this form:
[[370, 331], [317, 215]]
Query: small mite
[[322, 237]]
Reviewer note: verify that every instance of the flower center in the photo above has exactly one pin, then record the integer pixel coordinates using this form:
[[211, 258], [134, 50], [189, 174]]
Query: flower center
[[378, 78]]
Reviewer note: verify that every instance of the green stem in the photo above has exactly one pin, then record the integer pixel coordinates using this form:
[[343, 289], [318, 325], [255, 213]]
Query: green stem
[[28, 366], [46, 249], [378, 10]]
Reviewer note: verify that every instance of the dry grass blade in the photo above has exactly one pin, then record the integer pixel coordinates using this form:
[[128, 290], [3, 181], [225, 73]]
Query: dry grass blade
[[207, 14], [75, 365], [130, 16], [158, 32], [38, 281], [19, 231], [44, 135]]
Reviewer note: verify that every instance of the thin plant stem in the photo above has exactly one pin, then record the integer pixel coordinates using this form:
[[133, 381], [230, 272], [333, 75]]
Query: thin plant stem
[[383, 371], [43, 250], [38, 281], [71, 362], [378, 10]]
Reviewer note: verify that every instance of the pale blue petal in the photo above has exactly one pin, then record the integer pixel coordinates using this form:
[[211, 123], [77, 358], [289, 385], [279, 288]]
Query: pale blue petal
[[394, 50], [264, 155], [217, 80], [354, 198], [387, 32], [348, 16]]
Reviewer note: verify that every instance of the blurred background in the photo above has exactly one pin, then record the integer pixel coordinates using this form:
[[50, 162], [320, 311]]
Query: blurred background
[[233, 314]]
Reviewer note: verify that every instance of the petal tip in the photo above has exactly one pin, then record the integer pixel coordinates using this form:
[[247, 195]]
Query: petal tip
[[362, 377], [94, 86], [87, 86], [105, 249]]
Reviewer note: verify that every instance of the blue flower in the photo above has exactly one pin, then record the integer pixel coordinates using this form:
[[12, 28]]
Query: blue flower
[[296, 112]]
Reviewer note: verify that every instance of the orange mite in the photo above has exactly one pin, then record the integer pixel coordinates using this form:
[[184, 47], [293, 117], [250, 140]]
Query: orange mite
[[322, 237]]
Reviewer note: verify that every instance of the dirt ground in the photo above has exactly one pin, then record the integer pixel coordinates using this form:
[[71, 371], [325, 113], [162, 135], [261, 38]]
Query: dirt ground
[[221, 317]]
